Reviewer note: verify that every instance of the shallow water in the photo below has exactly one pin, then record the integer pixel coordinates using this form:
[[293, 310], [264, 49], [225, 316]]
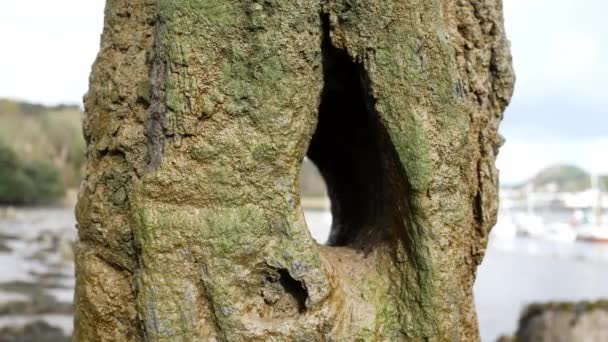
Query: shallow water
[[39, 262], [515, 272], [521, 271], [518, 271], [64, 322]]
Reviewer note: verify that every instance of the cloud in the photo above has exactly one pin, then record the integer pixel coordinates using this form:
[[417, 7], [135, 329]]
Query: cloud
[[558, 44], [520, 160], [560, 51], [572, 57], [559, 110], [48, 48], [558, 116]]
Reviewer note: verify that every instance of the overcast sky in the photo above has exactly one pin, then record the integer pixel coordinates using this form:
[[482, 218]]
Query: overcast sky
[[560, 52]]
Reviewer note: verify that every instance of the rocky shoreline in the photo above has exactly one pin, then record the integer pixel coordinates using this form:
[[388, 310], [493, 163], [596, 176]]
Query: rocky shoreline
[[37, 331], [563, 321], [37, 281], [37, 284]]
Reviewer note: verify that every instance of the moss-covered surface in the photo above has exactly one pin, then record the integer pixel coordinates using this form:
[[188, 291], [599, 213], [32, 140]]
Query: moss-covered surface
[[198, 118]]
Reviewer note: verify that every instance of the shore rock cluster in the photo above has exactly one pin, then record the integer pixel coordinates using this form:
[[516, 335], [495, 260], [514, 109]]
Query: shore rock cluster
[[37, 280], [38, 331], [557, 322]]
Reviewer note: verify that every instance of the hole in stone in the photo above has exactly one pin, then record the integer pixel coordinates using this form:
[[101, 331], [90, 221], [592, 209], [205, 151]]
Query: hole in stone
[[366, 184], [283, 295], [346, 148], [293, 288]]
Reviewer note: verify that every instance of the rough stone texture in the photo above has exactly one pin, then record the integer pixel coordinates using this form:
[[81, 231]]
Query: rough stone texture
[[199, 114], [564, 322]]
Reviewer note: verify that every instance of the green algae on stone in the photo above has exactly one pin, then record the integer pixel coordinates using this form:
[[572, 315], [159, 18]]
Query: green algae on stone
[[206, 240]]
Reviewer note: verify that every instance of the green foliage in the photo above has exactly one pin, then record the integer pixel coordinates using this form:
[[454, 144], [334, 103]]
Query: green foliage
[[48, 184], [23, 183], [63, 129], [565, 177], [13, 182], [51, 134]]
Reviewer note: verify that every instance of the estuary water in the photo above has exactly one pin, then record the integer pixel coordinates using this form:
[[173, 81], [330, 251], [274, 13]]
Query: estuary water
[[36, 263], [518, 271]]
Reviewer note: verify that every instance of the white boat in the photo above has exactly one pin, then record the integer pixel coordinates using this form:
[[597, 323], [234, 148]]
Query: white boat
[[560, 232], [528, 224], [595, 231]]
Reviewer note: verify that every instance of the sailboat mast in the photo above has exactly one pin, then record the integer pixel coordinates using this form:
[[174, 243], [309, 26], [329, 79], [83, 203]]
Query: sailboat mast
[[529, 206], [595, 184]]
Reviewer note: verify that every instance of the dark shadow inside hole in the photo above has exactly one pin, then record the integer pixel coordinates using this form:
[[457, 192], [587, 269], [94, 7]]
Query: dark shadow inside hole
[[346, 148], [294, 288]]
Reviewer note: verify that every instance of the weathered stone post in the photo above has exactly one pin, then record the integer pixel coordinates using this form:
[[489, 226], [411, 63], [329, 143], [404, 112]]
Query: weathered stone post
[[199, 114]]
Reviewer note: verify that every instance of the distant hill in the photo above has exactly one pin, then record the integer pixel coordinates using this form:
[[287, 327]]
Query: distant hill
[[565, 178], [40, 138]]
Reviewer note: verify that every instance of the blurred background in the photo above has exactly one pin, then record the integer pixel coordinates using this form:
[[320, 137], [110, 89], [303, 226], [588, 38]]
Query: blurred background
[[551, 239]]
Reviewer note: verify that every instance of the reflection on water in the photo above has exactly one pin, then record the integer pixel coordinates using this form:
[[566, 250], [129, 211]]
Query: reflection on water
[[37, 274], [519, 271], [515, 272], [576, 250]]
